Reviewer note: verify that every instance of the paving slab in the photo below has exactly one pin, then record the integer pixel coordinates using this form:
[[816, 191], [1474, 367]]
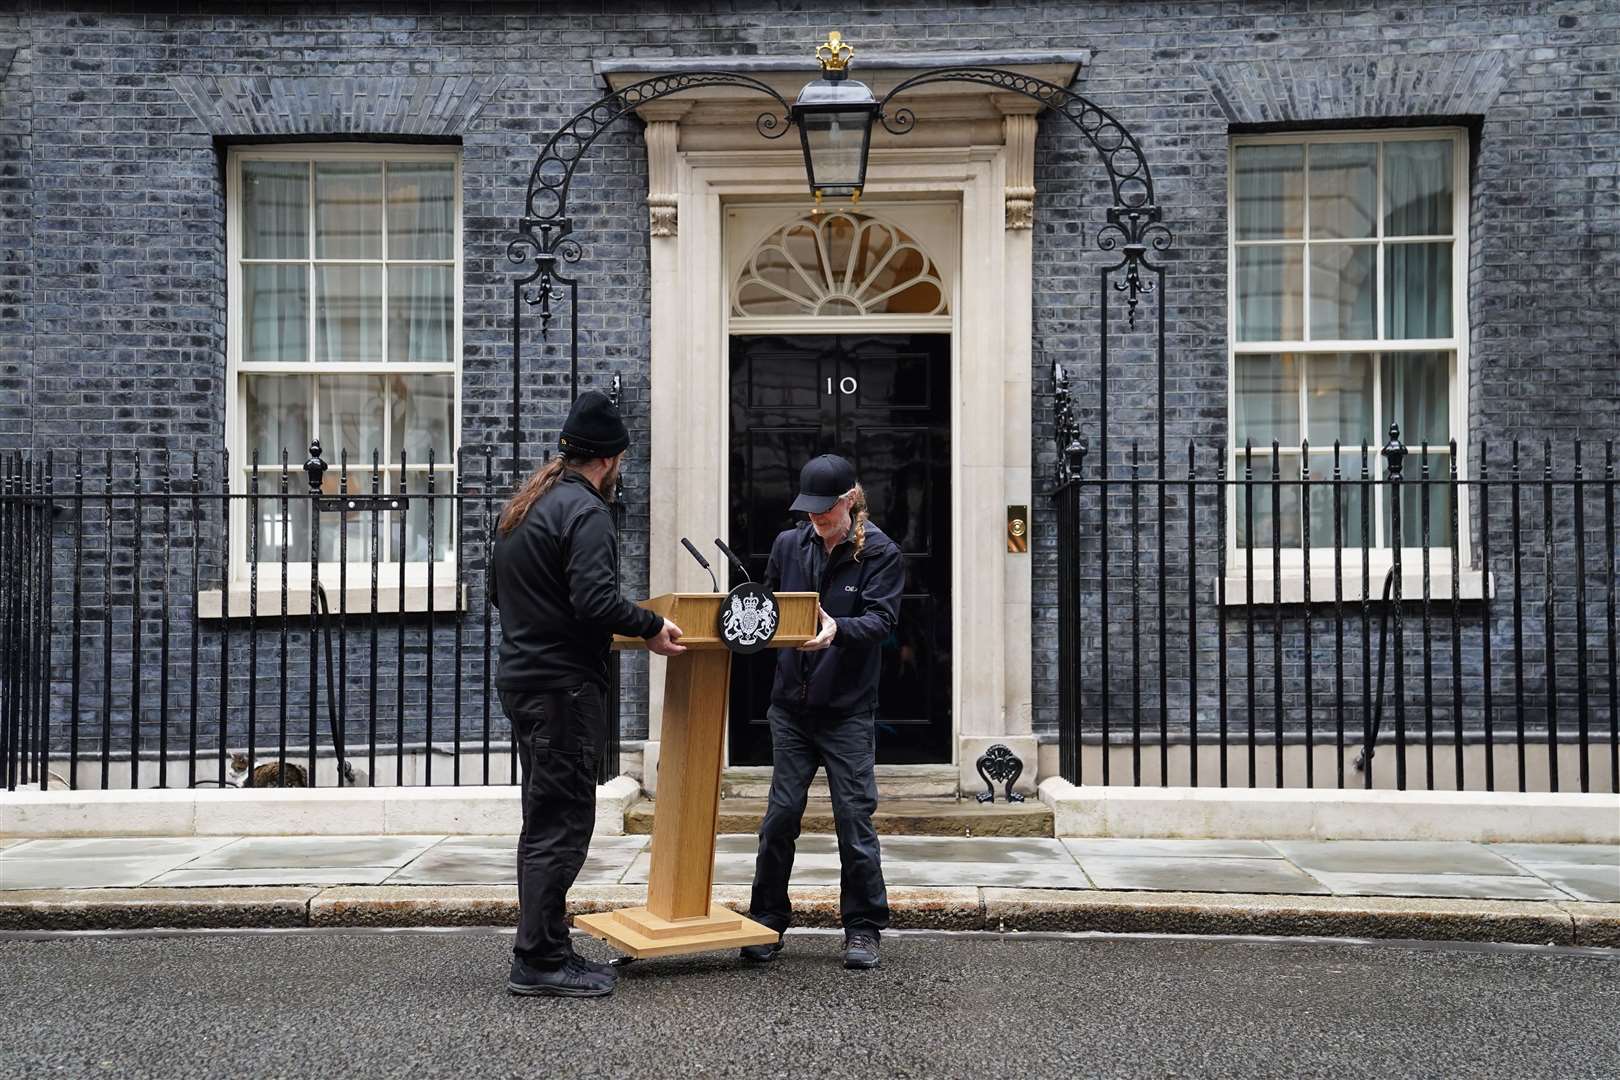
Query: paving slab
[[278, 852], [11, 841], [1533, 855], [130, 847], [217, 877], [1395, 857], [1155, 849], [81, 873], [1199, 875], [1600, 884], [894, 817], [1476, 886]]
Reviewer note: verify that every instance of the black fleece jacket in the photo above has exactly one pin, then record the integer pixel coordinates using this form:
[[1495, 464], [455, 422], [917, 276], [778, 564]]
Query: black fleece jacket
[[555, 579], [863, 597]]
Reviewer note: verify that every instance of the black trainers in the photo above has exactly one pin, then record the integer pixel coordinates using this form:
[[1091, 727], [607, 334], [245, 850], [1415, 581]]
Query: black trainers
[[593, 966], [573, 979], [761, 954], [860, 949]]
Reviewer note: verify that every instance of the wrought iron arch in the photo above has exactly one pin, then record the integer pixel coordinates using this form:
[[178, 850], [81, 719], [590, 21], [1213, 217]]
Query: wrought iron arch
[[545, 235], [1134, 225]]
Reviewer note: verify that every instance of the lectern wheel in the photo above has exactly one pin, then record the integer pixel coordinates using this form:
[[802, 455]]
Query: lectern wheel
[[622, 961]]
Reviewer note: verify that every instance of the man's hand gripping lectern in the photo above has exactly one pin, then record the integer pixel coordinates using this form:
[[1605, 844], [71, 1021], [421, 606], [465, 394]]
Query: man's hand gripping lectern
[[679, 916]]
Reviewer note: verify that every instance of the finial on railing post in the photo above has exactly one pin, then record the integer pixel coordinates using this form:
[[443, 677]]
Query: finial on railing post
[[1395, 452], [315, 468]]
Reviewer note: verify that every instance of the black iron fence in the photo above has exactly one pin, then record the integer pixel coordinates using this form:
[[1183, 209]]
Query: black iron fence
[[315, 625], [1347, 617]]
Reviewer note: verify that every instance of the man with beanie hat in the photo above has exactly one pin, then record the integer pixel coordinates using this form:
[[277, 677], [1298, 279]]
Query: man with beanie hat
[[554, 575]]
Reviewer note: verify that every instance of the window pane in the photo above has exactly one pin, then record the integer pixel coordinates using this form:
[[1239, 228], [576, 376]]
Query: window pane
[[1416, 392], [1260, 491], [1417, 290], [351, 410], [1271, 282], [1413, 494], [421, 210], [358, 524], [1349, 497], [420, 307], [275, 313], [423, 409], [348, 210], [1344, 190], [1267, 400], [1417, 188], [279, 526], [1339, 402], [443, 512], [1344, 283], [276, 412], [1270, 191], [275, 210], [348, 313]]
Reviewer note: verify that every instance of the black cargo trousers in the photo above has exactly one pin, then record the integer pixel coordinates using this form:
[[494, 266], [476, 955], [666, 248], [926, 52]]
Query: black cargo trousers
[[560, 736]]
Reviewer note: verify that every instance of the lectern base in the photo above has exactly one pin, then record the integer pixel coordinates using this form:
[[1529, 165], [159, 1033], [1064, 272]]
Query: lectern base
[[642, 934]]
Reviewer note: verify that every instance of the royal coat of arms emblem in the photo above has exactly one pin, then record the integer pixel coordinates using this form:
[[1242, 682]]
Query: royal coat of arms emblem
[[748, 618]]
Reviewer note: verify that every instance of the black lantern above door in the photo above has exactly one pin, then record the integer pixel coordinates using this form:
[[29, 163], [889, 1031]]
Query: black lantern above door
[[834, 115]]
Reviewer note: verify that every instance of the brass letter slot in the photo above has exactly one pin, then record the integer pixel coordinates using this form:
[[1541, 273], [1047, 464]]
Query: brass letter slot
[[1018, 529]]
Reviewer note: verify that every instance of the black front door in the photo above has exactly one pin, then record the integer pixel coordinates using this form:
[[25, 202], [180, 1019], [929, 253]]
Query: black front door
[[883, 402]]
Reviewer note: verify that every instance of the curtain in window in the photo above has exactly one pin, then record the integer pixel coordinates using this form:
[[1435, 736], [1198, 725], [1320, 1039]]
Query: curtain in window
[[421, 225], [1417, 202]]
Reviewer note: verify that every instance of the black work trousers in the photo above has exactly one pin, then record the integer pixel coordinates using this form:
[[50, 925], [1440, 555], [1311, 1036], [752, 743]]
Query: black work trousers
[[847, 746], [559, 735]]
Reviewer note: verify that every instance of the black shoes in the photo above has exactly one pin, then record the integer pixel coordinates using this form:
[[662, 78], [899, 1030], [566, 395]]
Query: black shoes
[[761, 954], [860, 949], [573, 979], [591, 965]]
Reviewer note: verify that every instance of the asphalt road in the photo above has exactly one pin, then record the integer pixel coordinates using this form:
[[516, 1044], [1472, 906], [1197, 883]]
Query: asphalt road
[[428, 1004]]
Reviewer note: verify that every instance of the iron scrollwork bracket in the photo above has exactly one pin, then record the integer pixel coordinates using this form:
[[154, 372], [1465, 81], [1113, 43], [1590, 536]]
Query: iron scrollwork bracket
[[1134, 220], [1071, 448], [996, 765]]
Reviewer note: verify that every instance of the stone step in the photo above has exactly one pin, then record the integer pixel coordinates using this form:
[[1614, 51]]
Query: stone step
[[893, 782], [894, 817]]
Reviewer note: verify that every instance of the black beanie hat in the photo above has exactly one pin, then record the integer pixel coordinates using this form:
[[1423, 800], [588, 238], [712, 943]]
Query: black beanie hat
[[594, 428]]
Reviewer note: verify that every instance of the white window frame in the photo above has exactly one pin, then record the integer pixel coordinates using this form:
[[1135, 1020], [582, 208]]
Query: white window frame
[[358, 572], [1469, 583]]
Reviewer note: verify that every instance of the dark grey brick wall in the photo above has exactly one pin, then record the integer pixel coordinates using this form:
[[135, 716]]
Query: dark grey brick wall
[[112, 296]]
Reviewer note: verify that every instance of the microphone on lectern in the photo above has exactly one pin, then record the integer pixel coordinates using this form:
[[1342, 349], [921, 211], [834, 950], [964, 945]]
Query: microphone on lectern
[[687, 544], [738, 563]]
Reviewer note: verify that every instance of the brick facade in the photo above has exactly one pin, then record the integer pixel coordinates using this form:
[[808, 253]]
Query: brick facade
[[114, 119]]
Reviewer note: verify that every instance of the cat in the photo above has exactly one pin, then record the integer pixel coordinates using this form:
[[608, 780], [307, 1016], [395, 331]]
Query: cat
[[266, 775]]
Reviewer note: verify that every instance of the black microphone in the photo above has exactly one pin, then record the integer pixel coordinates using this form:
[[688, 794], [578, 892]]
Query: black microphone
[[687, 544], [738, 563]]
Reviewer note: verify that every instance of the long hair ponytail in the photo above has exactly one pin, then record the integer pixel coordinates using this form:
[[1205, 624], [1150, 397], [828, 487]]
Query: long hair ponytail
[[534, 489], [858, 516]]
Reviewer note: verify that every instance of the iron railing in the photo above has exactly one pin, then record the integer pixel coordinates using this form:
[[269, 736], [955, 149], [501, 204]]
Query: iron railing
[[1322, 653], [132, 654]]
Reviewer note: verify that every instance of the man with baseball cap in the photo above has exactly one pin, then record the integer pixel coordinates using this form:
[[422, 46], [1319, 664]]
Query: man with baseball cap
[[824, 703], [554, 575]]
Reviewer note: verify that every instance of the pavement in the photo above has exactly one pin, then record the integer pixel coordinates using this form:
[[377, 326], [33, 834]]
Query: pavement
[[418, 1005], [1551, 893]]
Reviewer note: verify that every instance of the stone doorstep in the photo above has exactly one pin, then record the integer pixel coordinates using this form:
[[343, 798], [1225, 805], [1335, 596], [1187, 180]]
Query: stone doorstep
[[961, 908], [894, 817]]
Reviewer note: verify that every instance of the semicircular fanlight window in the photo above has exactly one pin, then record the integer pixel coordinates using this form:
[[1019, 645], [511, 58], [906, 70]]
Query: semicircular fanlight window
[[841, 263]]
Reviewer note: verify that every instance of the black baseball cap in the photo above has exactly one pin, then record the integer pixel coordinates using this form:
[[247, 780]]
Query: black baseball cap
[[822, 482]]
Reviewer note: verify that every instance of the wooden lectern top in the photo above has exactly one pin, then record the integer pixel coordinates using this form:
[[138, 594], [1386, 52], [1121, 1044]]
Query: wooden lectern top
[[698, 615]]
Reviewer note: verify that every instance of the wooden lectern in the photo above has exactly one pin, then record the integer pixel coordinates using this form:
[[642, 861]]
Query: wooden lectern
[[679, 916]]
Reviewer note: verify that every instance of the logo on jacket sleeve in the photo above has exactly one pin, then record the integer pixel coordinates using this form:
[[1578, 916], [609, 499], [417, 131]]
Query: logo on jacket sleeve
[[748, 618]]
